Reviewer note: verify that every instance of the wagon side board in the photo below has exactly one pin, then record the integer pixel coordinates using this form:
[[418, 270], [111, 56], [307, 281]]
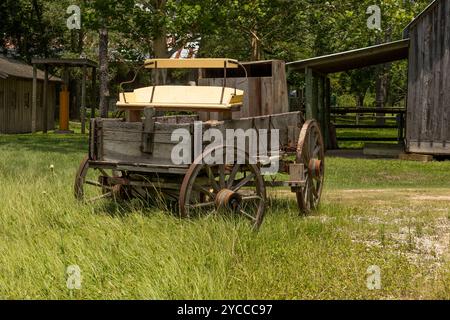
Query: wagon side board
[[119, 142]]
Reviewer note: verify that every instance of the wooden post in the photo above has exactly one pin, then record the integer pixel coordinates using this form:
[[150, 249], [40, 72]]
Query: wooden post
[[83, 100], [93, 93], [34, 100], [309, 93], [45, 102], [327, 112]]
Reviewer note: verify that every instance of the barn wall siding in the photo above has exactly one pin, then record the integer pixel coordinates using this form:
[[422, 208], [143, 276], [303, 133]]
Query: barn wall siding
[[16, 105], [428, 116]]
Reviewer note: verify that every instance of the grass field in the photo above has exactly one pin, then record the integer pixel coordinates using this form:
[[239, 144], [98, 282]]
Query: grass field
[[392, 214]]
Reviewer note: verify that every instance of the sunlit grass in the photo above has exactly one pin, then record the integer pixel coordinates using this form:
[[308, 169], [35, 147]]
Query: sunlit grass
[[128, 251]]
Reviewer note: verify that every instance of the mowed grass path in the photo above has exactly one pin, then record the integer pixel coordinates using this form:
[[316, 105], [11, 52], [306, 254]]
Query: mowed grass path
[[387, 213]]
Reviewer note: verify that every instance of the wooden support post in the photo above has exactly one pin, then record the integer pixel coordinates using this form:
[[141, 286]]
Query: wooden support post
[[327, 114], [321, 102], [83, 100], [309, 93], [45, 102], [93, 93], [34, 100]]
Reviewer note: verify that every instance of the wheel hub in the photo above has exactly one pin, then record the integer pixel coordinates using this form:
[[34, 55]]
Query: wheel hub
[[228, 199]]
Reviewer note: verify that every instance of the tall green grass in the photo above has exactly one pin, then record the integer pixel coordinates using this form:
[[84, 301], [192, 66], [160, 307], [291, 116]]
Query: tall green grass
[[128, 251]]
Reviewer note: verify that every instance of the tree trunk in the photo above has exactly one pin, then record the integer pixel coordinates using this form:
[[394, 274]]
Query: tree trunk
[[104, 78], [160, 44], [160, 51], [256, 47]]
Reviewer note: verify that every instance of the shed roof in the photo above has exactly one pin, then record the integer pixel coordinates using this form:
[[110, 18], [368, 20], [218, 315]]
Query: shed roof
[[355, 59], [15, 68], [65, 62]]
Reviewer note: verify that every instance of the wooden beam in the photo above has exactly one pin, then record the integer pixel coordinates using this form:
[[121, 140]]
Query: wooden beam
[[415, 157], [45, 102], [93, 93], [309, 93], [83, 100], [191, 64], [34, 100]]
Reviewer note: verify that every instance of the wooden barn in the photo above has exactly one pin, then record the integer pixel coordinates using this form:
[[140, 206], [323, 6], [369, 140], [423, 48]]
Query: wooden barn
[[428, 110], [16, 90], [426, 47]]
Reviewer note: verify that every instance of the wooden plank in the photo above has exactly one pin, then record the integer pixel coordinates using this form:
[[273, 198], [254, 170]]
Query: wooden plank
[[266, 96], [437, 148], [383, 150], [415, 157], [199, 63]]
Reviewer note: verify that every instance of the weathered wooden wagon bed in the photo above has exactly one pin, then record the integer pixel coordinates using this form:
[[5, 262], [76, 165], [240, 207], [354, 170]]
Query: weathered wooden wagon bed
[[135, 159]]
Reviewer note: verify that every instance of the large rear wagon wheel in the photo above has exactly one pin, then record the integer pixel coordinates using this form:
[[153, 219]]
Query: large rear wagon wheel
[[311, 153], [90, 183], [232, 187]]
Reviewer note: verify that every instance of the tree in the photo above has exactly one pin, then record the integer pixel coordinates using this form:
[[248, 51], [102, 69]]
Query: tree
[[105, 15]]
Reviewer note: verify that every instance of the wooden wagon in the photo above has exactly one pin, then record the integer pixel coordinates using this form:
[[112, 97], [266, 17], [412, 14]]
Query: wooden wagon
[[134, 157]]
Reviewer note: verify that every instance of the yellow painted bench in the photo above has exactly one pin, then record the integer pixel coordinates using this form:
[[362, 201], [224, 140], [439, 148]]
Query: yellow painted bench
[[183, 98]]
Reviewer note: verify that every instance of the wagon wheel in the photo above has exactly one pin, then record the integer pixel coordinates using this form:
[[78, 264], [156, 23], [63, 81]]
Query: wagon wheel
[[311, 153], [90, 183], [232, 187]]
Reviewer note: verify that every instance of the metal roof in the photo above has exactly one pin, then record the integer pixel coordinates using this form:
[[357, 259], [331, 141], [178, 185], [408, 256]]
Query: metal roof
[[15, 68], [354, 59], [65, 62]]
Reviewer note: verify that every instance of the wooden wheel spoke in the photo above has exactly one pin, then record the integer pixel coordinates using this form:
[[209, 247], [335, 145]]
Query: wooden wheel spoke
[[222, 176], [232, 176], [103, 172], [204, 190], [212, 179], [201, 205], [247, 215], [103, 196], [243, 182], [250, 198], [94, 183], [316, 152]]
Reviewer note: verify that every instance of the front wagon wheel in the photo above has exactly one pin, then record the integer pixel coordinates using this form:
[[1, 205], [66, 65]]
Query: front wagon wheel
[[232, 187], [91, 184]]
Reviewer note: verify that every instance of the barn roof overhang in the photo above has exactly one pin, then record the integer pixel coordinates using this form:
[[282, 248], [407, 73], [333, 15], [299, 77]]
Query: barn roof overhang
[[65, 62], [355, 59], [19, 69]]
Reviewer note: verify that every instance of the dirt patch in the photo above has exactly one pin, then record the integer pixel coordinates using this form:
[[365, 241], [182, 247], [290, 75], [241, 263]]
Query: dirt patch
[[431, 198]]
